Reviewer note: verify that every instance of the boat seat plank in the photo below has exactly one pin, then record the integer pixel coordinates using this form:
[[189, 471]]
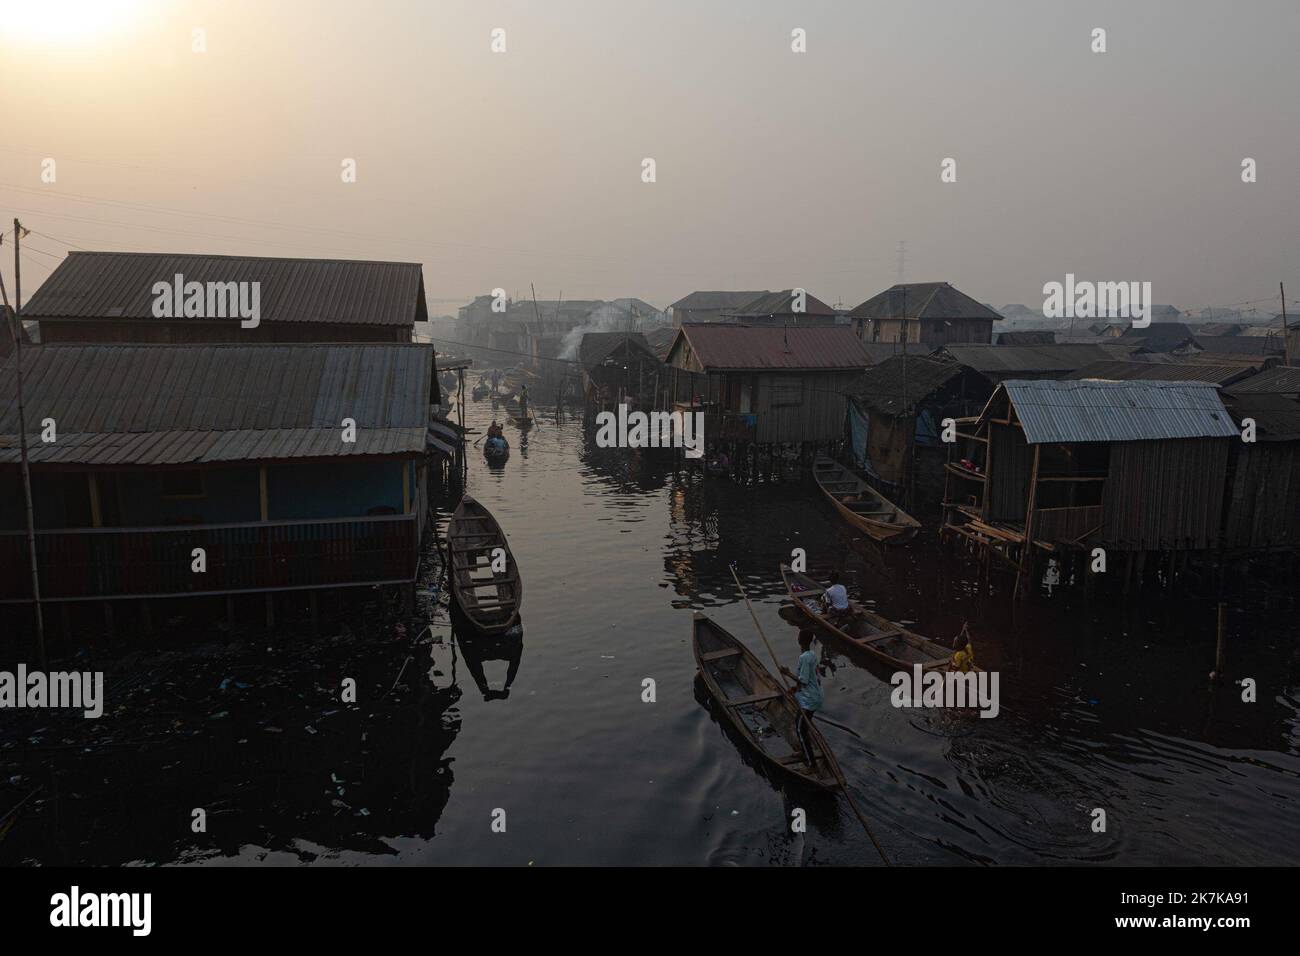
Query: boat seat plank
[[720, 655], [754, 698]]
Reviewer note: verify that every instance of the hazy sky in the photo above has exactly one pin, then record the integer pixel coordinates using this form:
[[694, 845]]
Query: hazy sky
[[774, 168]]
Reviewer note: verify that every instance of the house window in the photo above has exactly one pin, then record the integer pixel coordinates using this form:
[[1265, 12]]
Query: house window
[[186, 483]]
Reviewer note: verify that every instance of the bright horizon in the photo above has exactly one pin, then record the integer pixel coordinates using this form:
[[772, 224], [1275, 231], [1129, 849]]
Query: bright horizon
[[774, 169]]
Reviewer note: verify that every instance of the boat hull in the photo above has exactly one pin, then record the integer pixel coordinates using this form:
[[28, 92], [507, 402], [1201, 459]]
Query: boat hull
[[749, 697]]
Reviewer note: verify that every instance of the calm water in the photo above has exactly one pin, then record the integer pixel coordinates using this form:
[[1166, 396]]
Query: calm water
[[1101, 707]]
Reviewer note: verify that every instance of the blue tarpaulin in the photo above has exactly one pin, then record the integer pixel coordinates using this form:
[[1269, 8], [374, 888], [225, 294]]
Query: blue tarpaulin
[[858, 427]]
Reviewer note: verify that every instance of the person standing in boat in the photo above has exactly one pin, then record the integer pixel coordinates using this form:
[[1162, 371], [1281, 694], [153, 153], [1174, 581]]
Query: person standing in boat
[[523, 401], [496, 379], [808, 695]]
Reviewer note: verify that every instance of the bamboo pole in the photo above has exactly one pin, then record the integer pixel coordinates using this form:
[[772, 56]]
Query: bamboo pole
[[22, 441]]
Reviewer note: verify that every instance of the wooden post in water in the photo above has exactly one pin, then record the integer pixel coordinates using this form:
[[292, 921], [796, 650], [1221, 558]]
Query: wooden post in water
[[1218, 647]]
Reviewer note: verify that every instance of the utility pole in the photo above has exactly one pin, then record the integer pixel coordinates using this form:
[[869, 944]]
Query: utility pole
[[22, 440], [1286, 333]]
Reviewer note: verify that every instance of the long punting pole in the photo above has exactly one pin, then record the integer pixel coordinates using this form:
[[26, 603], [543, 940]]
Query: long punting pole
[[22, 440], [812, 727]]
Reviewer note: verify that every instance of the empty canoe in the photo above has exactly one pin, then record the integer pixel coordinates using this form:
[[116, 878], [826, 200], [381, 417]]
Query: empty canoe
[[484, 577], [861, 505]]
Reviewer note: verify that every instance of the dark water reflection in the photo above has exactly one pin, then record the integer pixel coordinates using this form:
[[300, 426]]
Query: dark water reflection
[[1102, 705]]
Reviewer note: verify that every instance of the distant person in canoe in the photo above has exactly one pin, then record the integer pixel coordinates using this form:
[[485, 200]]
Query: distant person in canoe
[[835, 602], [808, 695], [523, 401], [496, 379]]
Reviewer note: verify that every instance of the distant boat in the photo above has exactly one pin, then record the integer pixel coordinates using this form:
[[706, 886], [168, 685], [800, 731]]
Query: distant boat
[[866, 630], [861, 505], [480, 392], [496, 450], [488, 596], [755, 703]]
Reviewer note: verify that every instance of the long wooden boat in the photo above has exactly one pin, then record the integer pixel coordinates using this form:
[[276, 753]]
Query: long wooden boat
[[757, 706], [490, 599], [862, 506], [866, 630]]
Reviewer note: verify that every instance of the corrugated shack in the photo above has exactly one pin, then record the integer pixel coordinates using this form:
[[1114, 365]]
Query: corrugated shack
[[111, 297], [1000, 362], [1264, 474], [149, 452], [896, 420], [618, 368], [765, 386], [1135, 467], [930, 314]]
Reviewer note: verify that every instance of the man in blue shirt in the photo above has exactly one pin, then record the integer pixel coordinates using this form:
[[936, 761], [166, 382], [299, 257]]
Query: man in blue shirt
[[808, 695]]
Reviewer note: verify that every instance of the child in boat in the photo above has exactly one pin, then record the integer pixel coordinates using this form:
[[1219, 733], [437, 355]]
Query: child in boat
[[809, 693]]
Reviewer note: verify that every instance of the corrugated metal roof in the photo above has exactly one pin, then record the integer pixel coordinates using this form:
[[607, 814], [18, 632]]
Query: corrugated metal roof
[[1026, 358], [882, 385], [119, 285], [596, 345], [174, 404], [782, 303], [923, 300], [721, 347], [1053, 411], [1282, 379], [1277, 417], [1239, 345], [1164, 372], [717, 300]]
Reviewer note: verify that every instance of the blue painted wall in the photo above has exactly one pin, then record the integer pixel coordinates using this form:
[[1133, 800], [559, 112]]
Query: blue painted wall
[[335, 490]]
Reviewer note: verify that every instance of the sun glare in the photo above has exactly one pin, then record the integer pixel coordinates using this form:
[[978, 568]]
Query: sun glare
[[64, 22]]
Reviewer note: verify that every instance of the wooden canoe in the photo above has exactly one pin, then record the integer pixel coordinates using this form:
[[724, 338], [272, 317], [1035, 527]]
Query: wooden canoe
[[493, 455], [757, 706], [489, 599], [866, 630], [861, 505]]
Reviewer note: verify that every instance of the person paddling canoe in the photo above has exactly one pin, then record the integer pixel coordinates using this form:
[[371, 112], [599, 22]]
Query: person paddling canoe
[[808, 695]]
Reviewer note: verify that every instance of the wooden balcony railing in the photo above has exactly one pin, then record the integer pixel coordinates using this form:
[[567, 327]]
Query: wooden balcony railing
[[252, 556]]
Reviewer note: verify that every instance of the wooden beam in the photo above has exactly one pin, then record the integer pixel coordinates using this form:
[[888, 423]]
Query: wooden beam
[[406, 488], [96, 515], [265, 508]]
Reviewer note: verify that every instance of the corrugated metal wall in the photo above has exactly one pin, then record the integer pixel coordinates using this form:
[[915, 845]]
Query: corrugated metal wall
[[1010, 462], [1165, 495], [1264, 502]]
